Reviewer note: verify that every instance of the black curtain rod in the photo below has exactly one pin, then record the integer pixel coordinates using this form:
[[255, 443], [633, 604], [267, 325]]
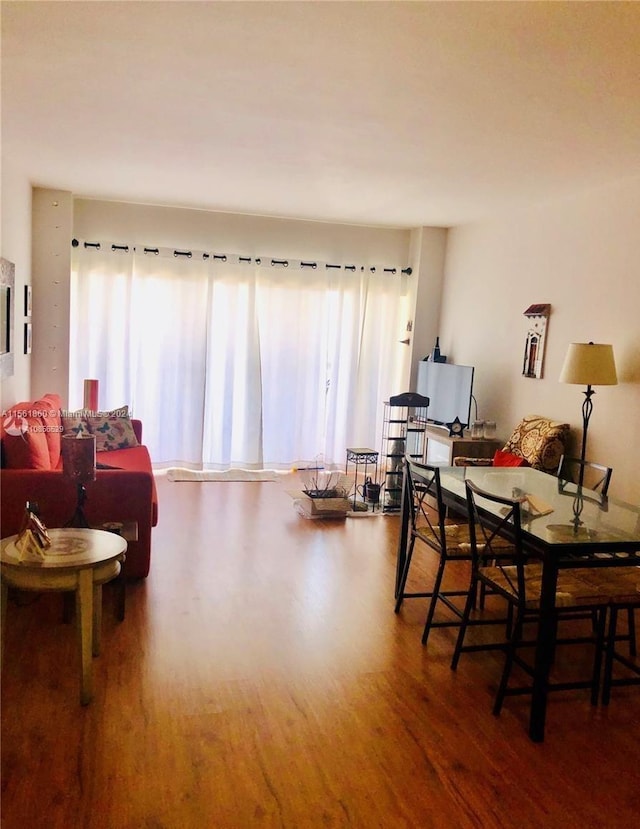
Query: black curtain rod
[[222, 257]]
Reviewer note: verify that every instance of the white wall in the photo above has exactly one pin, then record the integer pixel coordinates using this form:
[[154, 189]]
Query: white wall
[[581, 255], [52, 224], [429, 247], [234, 233], [15, 244]]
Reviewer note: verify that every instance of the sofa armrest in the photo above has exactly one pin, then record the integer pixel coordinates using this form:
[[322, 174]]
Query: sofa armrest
[[137, 428], [115, 495]]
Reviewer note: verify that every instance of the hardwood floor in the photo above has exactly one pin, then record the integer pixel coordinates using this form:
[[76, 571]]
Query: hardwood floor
[[261, 679]]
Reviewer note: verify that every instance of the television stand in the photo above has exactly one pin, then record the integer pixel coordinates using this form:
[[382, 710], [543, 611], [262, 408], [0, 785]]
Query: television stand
[[443, 448]]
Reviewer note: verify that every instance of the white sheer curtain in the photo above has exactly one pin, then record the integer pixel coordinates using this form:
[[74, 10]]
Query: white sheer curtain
[[234, 364], [139, 325]]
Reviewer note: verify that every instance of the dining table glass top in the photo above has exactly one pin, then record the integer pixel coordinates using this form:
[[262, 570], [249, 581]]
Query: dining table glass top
[[555, 512]]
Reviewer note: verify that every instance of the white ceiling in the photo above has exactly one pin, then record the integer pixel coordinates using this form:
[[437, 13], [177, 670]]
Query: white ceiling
[[389, 113]]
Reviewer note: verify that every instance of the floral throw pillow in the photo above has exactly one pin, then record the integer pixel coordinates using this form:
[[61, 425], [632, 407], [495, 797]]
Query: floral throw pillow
[[113, 430]]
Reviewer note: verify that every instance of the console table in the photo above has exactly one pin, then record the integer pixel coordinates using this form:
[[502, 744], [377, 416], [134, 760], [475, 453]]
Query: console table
[[443, 448]]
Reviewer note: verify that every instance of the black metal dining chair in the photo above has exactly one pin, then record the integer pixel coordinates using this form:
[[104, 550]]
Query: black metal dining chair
[[597, 477], [450, 542], [627, 599], [588, 474], [517, 578]]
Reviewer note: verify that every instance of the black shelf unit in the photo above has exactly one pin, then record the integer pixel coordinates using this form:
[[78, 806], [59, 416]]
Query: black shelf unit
[[403, 427], [366, 458]]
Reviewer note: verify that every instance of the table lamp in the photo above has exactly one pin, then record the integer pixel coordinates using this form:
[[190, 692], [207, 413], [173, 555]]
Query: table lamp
[[79, 464], [588, 364]]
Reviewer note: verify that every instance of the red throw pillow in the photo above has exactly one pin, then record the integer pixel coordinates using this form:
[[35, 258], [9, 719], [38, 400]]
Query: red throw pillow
[[24, 440], [48, 409], [502, 458]]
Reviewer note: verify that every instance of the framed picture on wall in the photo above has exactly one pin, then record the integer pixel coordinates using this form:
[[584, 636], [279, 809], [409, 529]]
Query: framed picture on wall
[[27, 337], [7, 312], [27, 300], [533, 359]]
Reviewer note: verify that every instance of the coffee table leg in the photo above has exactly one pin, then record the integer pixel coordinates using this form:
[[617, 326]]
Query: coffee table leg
[[84, 612], [97, 619]]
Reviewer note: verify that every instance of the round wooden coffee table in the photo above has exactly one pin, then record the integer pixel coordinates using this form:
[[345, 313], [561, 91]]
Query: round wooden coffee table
[[79, 560]]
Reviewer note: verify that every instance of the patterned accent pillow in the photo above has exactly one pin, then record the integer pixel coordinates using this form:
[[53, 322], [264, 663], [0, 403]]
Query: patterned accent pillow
[[540, 441], [113, 430], [75, 423]]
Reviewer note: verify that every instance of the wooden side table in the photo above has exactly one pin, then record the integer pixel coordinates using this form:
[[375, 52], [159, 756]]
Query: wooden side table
[[129, 531], [79, 560], [443, 448]]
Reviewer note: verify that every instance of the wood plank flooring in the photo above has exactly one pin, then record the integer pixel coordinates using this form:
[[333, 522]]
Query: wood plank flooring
[[261, 679]]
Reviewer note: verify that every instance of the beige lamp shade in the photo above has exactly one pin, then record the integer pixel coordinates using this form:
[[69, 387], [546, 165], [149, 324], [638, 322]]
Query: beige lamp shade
[[589, 364]]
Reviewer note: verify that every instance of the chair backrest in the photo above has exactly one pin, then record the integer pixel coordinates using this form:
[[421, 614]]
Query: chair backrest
[[540, 441], [592, 475], [423, 481], [492, 519]]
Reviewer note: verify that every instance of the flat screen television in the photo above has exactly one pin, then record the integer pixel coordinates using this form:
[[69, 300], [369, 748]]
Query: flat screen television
[[449, 388]]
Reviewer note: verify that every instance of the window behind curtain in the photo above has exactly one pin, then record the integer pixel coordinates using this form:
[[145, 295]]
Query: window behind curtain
[[234, 364]]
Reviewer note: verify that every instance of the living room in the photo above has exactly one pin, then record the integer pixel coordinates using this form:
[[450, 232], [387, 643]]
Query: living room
[[493, 148], [567, 239]]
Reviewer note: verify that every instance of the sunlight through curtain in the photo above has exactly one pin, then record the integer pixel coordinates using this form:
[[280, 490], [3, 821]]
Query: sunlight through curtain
[[235, 364]]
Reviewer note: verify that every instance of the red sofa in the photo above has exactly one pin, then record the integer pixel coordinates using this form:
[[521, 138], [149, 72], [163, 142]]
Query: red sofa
[[32, 471]]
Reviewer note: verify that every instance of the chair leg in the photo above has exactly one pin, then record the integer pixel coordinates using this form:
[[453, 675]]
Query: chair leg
[[509, 630], [434, 600], [405, 574], [468, 607], [483, 594], [514, 641], [600, 618], [608, 663], [631, 618]]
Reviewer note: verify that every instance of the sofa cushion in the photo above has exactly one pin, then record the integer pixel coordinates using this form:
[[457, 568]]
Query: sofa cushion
[[24, 440], [113, 430], [48, 408], [135, 458]]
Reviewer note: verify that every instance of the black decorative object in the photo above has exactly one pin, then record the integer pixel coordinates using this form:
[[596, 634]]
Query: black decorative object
[[435, 355]]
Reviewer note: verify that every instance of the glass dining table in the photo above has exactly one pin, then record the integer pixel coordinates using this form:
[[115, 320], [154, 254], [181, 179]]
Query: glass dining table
[[563, 525]]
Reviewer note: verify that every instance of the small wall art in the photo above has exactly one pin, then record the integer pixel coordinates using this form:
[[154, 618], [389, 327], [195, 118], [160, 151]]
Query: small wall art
[[537, 317], [27, 337], [27, 300], [7, 288]]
